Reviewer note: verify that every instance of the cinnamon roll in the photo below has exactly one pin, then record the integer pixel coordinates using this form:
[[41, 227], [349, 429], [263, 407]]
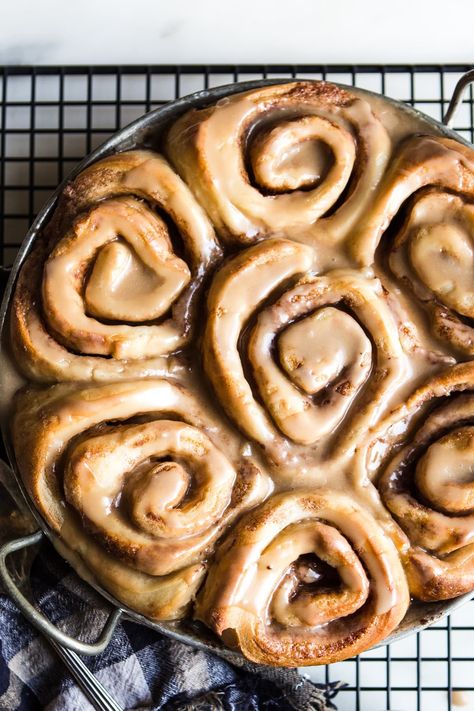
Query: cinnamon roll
[[304, 259], [275, 160], [430, 185], [433, 255], [290, 360], [112, 292], [306, 578], [139, 478], [420, 162], [422, 459]]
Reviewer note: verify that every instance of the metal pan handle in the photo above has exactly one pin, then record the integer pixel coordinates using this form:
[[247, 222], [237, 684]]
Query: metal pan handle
[[459, 89], [37, 618]]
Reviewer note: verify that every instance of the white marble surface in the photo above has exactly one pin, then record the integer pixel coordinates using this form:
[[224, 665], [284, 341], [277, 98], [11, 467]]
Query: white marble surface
[[179, 31]]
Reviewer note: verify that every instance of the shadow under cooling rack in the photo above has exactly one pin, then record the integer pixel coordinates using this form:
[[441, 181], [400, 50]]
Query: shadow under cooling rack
[[51, 117]]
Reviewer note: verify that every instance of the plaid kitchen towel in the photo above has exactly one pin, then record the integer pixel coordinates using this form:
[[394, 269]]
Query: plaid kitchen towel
[[140, 668]]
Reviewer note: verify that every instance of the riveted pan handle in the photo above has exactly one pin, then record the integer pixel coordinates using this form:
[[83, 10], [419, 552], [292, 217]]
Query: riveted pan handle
[[466, 80], [37, 618]]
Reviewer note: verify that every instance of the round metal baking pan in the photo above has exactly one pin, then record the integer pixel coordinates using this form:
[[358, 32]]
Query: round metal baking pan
[[145, 132]]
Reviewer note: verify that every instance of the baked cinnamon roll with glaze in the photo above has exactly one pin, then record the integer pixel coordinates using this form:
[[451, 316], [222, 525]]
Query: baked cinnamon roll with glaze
[[290, 360], [342, 288], [305, 578], [432, 256], [108, 296], [425, 481], [419, 162], [275, 160], [139, 478]]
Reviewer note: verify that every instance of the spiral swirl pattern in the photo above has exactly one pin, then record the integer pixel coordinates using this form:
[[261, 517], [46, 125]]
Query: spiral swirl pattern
[[427, 485], [152, 495], [308, 355], [112, 297], [275, 160], [434, 256], [421, 162], [303, 577], [275, 445]]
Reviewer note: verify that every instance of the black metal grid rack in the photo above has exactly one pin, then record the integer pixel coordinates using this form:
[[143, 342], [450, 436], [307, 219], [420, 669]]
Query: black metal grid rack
[[51, 117]]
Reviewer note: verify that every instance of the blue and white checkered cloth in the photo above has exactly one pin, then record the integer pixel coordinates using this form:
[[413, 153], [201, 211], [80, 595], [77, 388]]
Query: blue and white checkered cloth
[[139, 668]]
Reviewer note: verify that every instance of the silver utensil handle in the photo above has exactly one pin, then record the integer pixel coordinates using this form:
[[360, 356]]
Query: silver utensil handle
[[37, 618], [466, 80], [97, 695]]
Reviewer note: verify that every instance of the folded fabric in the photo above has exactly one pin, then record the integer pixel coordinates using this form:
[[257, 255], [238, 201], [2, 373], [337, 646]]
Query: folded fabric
[[140, 668]]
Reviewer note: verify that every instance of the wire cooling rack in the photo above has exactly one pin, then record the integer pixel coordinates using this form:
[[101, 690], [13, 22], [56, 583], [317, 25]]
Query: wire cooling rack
[[51, 117]]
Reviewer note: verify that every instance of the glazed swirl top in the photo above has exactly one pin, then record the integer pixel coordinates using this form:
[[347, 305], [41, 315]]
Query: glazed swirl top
[[266, 332]]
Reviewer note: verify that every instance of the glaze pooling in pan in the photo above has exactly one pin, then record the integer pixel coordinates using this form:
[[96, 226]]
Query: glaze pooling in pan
[[280, 305]]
